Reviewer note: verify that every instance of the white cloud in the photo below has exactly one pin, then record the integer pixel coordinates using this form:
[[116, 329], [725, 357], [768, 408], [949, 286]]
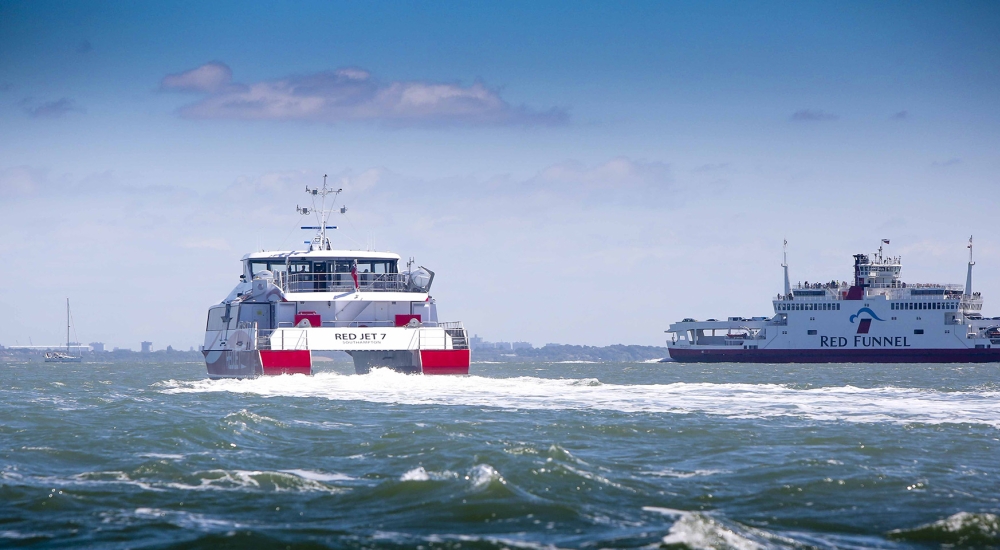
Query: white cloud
[[617, 173], [577, 245], [51, 109], [210, 77], [350, 94], [216, 243], [20, 180]]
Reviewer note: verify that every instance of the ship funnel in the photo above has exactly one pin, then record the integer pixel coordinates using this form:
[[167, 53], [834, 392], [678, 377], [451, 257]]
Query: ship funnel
[[968, 277]]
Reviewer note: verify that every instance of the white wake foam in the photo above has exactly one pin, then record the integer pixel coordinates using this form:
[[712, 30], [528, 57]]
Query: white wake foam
[[840, 403]]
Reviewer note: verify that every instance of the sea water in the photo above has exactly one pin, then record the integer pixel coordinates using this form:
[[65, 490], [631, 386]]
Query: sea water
[[119, 455]]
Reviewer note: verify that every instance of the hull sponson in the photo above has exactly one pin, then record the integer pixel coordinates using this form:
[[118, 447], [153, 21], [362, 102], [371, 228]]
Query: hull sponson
[[404, 361], [233, 364], [447, 361], [974, 355], [277, 362]]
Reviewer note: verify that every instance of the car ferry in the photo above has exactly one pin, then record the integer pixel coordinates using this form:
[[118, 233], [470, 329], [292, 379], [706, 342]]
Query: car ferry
[[289, 304], [874, 318]]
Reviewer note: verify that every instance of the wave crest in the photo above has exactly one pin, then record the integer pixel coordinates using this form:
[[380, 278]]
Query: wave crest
[[963, 529], [832, 403]]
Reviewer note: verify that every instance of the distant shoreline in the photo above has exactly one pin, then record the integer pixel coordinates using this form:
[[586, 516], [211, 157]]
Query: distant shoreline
[[551, 353]]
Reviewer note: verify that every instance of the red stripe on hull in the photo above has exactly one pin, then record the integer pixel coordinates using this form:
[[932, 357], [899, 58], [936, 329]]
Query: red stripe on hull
[[445, 361], [277, 362], [975, 355]]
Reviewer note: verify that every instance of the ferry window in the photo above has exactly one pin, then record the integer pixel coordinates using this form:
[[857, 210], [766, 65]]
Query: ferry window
[[299, 267], [376, 266], [811, 332], [918, 331], [341, 266], [215, 316], [276, 267], [257, 267]]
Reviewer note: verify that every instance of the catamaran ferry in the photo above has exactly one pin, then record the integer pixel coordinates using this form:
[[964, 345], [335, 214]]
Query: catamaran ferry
[[291, 303], [876, 318]]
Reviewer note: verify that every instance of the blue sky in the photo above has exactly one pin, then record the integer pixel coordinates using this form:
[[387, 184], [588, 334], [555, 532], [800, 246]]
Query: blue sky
[[541, 151]]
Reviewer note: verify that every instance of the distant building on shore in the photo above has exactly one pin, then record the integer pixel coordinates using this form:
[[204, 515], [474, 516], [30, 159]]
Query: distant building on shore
[[97, 347], [476, 342], [147, 347]]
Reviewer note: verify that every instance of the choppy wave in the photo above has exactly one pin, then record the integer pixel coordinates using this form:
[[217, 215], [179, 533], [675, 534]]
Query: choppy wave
[[961, 529], [287, 481], [838, 403], [700, 531]]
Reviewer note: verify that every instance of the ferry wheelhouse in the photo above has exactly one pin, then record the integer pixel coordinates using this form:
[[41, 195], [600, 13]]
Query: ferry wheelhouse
[[289, 304], [874, 318]]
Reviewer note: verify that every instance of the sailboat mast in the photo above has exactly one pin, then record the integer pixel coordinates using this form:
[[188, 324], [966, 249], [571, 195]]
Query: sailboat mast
[[67, 325]]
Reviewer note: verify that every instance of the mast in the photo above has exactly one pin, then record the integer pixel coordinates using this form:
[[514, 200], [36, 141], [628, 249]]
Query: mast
[[67, 325], [320, 241], [784, 264], [968, 277]]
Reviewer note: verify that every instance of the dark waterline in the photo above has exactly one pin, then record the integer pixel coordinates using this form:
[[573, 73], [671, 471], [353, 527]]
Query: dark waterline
[[566, 455]]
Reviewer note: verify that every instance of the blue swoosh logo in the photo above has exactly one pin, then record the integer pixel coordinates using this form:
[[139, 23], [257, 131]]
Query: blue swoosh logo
[[865, 310]]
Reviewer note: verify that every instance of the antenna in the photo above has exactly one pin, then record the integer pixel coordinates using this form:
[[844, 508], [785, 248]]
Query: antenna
[[784, 265], [968, 276], [322, 213]]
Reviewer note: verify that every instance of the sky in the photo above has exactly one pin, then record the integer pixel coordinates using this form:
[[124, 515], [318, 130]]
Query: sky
[[574, 172]]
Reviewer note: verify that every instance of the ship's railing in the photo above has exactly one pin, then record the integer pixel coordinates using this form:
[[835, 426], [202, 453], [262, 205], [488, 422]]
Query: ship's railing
[[341, 282], [453, 336], [447, 325], [258, 338], [895, 291]]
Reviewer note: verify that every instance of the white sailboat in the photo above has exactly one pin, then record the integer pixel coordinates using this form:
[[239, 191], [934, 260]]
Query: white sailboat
[[58, 356]]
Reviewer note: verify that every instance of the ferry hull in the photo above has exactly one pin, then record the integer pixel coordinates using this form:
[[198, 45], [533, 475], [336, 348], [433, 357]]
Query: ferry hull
[[254, 363], [448, 361], [740, 355]]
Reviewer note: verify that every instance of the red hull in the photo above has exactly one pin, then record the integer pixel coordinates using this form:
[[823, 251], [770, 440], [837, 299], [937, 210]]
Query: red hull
[[251, 364], [446, 361], [739, 355], [277, 362]]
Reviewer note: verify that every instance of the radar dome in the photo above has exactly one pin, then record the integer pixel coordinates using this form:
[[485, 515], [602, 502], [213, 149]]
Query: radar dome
[[420, 278]]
